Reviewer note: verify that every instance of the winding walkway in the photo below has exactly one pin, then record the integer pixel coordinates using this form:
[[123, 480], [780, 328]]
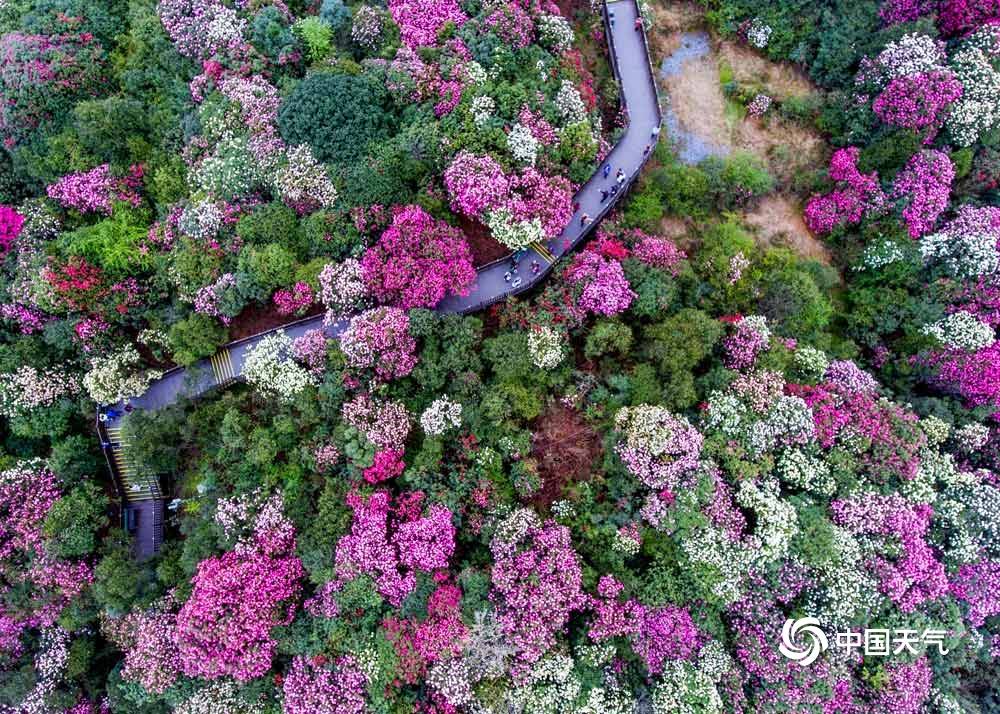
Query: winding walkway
[[141, 494]]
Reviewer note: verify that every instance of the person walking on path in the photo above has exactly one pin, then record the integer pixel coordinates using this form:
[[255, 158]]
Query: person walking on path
[[576, 206], [604, 195], [607, 170], [638, 24], [584, 219], [645, 152], [620, 177]]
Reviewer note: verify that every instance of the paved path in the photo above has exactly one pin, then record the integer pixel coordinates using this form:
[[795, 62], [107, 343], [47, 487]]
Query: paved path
[[627, 45]]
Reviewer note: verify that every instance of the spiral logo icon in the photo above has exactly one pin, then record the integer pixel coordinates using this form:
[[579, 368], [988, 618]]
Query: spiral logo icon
[[813, 642]]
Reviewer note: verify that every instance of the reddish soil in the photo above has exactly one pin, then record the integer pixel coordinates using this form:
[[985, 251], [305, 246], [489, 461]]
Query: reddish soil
[[255, 319], [484, 248], [566, 449]]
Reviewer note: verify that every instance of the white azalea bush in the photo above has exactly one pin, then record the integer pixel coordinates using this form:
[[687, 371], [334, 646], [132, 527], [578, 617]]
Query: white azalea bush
[[270, 369]]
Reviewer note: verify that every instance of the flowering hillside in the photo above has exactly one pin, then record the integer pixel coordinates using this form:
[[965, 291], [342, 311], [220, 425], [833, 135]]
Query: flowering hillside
[[695, 469]]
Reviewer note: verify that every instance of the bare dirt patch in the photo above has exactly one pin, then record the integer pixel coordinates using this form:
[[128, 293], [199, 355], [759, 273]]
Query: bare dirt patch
[[777, 221], [566, 450], [782, 80]]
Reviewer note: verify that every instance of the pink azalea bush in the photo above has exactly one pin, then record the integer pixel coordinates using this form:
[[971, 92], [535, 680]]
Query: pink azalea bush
[[391, 558], [10, 228], [294, 301], [418, 260], [311, 687], [856, 196], [419, 22], [379, 340], [536, 580], [602, 285], [225, 627], [916, 575], [95, 191], [924, 185], [918, 101]]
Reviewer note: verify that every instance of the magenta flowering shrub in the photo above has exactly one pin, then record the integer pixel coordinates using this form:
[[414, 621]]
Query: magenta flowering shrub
[[419, 22], [978, 585], [384, 424], [918, 101], [379, 340], [601, 283], [476, 184], [40, 76], [204, 29], [512, 24], [95, 191], [657, 447], [894, 12], [536, 580], [665, 633], [295, 301], [224, 628], [311, 687], [658, 252], [416, 543], [974, 376], [387, 464], [152, 659], [28, 492], [10, 228], [923, 185], [959, 16], [916, 575], [418, 260], [856, 196], [908, 688]]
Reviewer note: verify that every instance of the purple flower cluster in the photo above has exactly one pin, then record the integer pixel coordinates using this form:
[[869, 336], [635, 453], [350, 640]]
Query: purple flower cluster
[[602, 285], [420, 20], [379, 340], [924, 185], [95, 191], [914, 577], [858, 194], [311, 688], [10, 228], [418, 260], [918, 101], [537, 585]]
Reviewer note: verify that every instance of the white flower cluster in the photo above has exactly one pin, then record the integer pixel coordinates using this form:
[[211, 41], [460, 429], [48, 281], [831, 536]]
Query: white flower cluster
[[28, 388], [512, 529], [810, 363], [218, 698], [522, 144], [788, 421], [759, 33], [201, 220], [570, 104], [545, 347], [563, 508], [936, 430], [977, 110], [880, 255], [805, 472], [118, 376], [482, 109], [555, 32], [961, 331], [910, 54], [342, 288], [452, 679], [513, 234], [624, 544], [609, 699], [847, 588], [231, 170], [972, 437], [550, 687], [686, 689], [366, 28], [964, 256], [303, 180], [442, 415], [50, 670], [475, 72], [777, 522], [269, 368], [712, 549]]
